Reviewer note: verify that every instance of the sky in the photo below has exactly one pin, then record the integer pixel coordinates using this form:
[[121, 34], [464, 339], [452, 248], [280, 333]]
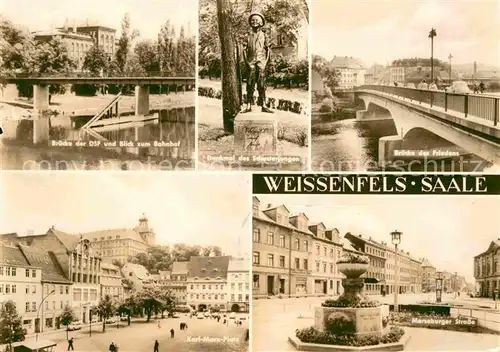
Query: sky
[[182, 207], [382, 31], [448, 230], [146, 15]]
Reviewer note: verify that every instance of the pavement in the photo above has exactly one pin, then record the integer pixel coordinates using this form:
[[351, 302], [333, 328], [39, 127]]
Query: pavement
[[140, 336], [288, 314]]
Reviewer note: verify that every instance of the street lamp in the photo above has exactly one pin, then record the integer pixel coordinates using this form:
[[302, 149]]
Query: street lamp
[[450, 57], [432, 34], [38, 311], [396, 240]]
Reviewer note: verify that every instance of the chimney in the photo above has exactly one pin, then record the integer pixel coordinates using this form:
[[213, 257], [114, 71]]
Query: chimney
[[269, 205], [359, 236], [74, 26], [370, 238]]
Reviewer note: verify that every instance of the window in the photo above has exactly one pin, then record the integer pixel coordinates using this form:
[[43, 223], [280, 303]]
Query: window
[[1, 288], [270, 260], [297, 263], [7, 271], [13, 271], [256, 235], [27, 289], [232, 286], [256, 258], [331, 252], [33, 273], [60, 289], [33, 306], [331, 268], [240, 297], [1, 270], [61, 305], [305, 264], [317, 249], [270, 238], [232, 297], [33, 289], [297, 244], [324, 267], [282, 261], [27, 272], [306, 245], [282, 241], [67, 290], [324, 251], [317, 266], [13, 288], [27, 306]]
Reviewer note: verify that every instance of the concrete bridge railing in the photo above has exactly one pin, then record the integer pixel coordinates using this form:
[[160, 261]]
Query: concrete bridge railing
[[483, 106]]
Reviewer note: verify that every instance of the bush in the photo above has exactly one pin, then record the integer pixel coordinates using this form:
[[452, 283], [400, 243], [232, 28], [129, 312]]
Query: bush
[[344, 303], [312, 335], [338, 323], [353, 258], [325, 108]]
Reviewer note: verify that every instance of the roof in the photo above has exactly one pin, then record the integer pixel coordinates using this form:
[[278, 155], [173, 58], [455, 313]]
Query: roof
[[13, 256], [123, 233], [51, 269], [69, 241], [239, 264], [180, 268], [262, 216], [493, 244], [209, 267], [140, 271], [346, 62], [347, 245]]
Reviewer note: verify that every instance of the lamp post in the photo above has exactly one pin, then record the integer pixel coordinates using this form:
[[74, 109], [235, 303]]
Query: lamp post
[[432, 34], [38, 311], [439, 286], [449, 58], [396, 240]]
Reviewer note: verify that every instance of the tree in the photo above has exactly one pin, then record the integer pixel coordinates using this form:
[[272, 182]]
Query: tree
[[125, 43], [151, 300], [17, 47], [11, 328], [105, 309], [67, 317], [147, 55], [231, 103], [96, 60]]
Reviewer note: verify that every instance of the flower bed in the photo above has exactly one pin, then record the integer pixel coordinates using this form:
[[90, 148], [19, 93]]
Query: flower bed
[[313, 335], [344, 303], [272, 103]]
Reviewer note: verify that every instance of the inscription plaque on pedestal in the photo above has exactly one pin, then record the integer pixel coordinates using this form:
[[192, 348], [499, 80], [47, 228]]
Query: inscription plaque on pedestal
[[255, 134]]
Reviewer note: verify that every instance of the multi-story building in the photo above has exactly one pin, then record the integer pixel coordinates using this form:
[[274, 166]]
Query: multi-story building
[[428, 276], [77, 262], [20, 282], [117, 245], [206, 282], [111, 282], [326, 249], [281, 251], [397, 74], [376, 252], [178, 281], [238, 284], [137, 276], [79, 38], [487, 269], [352, 71]]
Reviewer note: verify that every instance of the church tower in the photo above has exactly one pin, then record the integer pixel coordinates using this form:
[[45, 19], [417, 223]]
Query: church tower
[[147, 234]]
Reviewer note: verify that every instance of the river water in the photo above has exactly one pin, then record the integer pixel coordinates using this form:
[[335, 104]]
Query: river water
[[173, 126], [352, 145]]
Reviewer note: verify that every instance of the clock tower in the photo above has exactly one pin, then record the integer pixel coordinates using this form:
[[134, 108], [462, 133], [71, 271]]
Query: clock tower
[[147, 234]]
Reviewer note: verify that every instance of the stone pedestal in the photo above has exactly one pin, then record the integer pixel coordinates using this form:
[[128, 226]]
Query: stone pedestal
[[386, 147], [255, 133], [366, 321]]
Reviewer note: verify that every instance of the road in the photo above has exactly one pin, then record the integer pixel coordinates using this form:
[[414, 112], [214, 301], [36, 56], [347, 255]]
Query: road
[[140, 336], [287, 315]]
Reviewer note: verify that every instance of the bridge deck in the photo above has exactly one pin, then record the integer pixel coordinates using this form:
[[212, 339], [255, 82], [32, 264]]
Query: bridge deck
[[178, 81]]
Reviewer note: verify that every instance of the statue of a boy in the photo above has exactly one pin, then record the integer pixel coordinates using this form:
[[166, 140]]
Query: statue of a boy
[[256, 55]]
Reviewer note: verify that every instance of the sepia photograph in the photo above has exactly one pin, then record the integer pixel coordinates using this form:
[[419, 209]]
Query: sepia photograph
[[405, 86], [365, 273], [253, 85], [124, 262], [105, 86]]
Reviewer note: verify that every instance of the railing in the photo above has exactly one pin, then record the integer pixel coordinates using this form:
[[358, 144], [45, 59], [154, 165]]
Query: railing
[[482, 106], [80, 74], [103, 111]]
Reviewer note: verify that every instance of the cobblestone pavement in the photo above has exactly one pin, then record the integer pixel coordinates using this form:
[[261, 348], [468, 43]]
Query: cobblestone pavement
[[141, 336]]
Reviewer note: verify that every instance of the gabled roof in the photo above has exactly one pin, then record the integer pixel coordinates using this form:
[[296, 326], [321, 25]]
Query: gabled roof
[[51, 269], [69, 241], [346, 62], [299, 214], [276, 207], [493, 245], [208, 267], [180, 268], [264, 217], [12, 255], [123, 233]]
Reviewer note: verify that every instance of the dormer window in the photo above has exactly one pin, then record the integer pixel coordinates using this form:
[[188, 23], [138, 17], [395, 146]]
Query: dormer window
[[203, 270], [215, 270]]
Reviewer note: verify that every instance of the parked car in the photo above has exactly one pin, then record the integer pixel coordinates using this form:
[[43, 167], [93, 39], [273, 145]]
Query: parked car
[[111, 320], [200, 315], [207, 315], [459, 87], [95, 320], [76, 325], [232, 315], [125, 318]]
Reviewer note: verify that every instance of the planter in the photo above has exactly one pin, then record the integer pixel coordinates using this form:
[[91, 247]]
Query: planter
[[359, 321], [353, 270]]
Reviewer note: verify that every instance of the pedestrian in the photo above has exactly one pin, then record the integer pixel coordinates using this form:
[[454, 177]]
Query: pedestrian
[[181, 326], [112, 347], [70, 344], [185, 326], [481, 87], [247, 335], [157, 346], [172, 332], [159, 324]]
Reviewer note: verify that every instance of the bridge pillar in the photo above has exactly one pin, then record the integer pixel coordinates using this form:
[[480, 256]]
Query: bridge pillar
[[141, 100], [40, 97], [41, 122], [386, 147]]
